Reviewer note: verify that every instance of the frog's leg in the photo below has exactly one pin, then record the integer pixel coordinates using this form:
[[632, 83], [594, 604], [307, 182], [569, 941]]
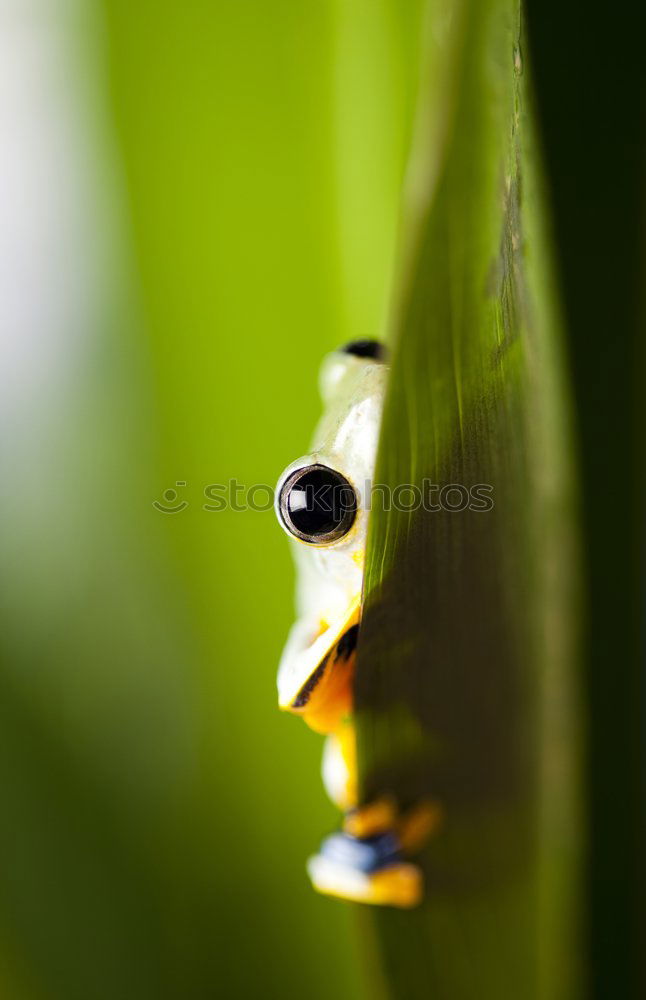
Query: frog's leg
[[364, 862], [339, 766]]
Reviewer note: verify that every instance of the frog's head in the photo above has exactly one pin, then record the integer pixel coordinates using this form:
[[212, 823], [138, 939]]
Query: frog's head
[[322, 502]]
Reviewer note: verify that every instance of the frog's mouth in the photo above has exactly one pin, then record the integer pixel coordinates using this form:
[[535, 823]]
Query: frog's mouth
[[316, 670]]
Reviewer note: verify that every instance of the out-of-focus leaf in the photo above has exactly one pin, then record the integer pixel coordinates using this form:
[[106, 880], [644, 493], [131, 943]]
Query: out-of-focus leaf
[[590, 79], [176, 183]]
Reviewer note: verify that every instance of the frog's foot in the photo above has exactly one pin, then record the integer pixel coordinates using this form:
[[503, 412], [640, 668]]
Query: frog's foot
[[376, 817], [367, 870], [412, 827], [415, 826]]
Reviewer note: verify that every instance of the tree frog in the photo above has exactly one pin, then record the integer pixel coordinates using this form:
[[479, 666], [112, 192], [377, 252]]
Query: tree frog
[[322, 502]]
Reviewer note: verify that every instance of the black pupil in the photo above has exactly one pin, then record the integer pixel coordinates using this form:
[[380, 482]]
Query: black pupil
[[321, 502]]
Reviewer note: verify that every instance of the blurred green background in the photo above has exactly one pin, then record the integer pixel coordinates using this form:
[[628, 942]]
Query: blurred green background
[[200, 199]]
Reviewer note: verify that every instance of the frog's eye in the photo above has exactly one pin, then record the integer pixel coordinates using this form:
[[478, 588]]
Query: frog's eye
[[317, 504], [372, 349]]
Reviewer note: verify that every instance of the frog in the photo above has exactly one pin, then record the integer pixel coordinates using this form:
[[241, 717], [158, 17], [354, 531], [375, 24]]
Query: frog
[[323, 502]]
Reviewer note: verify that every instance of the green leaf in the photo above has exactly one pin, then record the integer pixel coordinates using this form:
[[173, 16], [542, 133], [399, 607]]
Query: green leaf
[[589, 81], [466, 678]]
